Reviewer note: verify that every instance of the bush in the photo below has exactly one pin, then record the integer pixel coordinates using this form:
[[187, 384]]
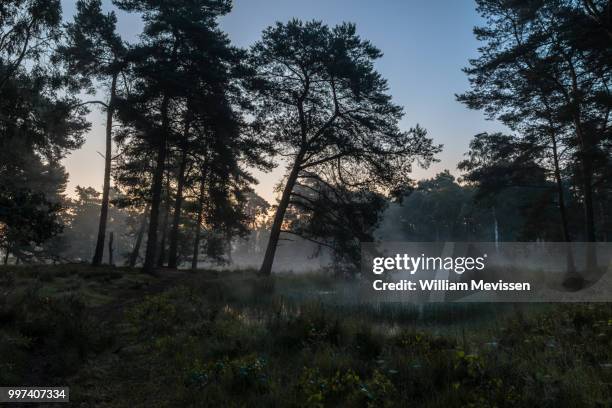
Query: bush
[[345, 388], [368, 344], [312, 325], [154, 316], [14, 350]]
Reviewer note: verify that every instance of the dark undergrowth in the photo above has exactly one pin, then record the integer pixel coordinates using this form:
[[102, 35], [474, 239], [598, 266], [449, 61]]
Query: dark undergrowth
[[122, 339]]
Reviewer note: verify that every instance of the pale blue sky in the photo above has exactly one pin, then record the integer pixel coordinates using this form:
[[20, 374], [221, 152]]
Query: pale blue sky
[[425, 45]]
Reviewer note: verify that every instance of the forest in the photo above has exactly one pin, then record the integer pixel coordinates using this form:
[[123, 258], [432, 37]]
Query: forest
[[177, 284]]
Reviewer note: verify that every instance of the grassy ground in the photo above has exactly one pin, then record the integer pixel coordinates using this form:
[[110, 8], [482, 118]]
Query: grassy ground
[[119, 338]]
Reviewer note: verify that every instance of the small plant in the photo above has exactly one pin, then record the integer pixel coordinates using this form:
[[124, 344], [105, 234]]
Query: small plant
[[368, 344], [345, 388], [154, 316]]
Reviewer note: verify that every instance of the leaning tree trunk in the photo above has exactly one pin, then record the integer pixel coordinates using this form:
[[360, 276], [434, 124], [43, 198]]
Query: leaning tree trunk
[[266, 266], [99, 251], [156, 191]]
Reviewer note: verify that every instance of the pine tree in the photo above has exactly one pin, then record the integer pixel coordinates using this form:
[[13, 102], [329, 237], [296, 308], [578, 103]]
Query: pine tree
[[327, 109], [94, 50], [40, 121], [544, 70], [184, 108]]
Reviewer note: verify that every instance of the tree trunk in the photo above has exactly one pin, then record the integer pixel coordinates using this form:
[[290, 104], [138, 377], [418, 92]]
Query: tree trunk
[[585, 156], [6, 256], [589, 215], [604, 221], [587, 176], [162, 245], [570, 263], [99, 251], [138, 243], [266, 266], [110, 248], [587, 191], [156, 192], [561, 196], [176, 216], [229, 249], [495, 229], [196, 241]]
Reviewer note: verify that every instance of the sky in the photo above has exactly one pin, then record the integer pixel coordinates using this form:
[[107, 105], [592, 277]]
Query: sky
[[425, 44]]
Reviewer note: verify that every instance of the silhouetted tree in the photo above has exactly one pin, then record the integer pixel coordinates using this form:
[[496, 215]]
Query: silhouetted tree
[[337, 218], [94, 51], [173, 33], [544, 70], [507, 178], [322, 102], [40, 121]]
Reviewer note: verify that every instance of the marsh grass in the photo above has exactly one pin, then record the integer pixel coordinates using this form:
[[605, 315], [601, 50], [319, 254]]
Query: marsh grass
[[230, 339]]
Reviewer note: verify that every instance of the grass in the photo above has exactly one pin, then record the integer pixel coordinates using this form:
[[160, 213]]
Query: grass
[[122, 339]]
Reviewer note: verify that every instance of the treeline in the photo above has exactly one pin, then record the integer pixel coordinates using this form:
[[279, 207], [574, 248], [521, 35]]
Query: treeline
[[444, 208], [545, 69], [189, 115], [126, 233]]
